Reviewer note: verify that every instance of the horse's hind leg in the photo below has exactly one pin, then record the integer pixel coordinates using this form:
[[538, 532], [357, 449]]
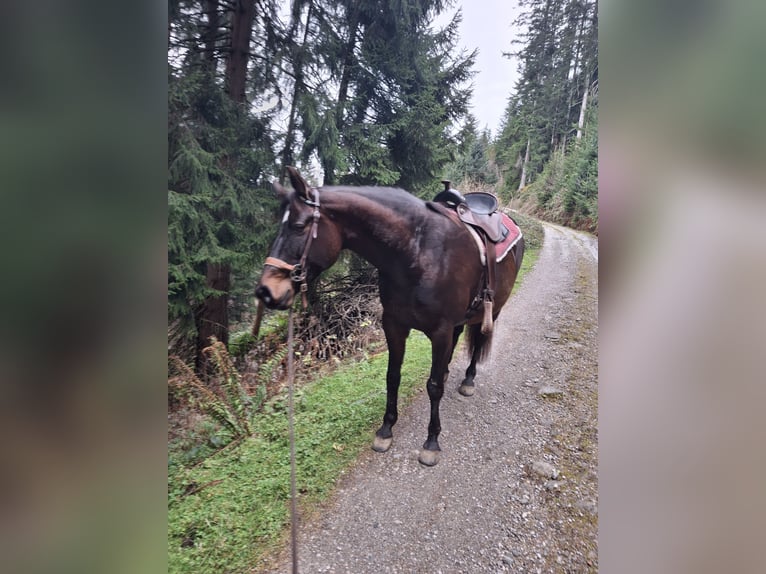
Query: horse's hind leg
[[455, 336], [467, 387], [479, 344], [396, 337], [441, 350]]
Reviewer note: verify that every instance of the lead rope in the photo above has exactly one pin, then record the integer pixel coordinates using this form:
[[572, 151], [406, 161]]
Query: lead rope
[[298, 276], [290, 415]]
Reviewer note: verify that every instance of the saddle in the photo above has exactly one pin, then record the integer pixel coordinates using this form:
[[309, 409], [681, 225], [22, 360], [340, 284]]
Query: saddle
[[478, 211]]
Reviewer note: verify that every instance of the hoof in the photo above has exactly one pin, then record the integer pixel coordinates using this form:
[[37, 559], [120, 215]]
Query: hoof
[[428, 457], [382, 444], [467, 390]]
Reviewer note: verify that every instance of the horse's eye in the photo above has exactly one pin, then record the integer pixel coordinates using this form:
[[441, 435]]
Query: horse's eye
[[299, 225]]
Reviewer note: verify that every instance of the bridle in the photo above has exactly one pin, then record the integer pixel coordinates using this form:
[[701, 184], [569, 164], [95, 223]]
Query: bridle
[[298, 270]]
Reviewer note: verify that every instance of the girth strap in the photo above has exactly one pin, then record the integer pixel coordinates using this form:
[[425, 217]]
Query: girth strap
[[489, 288]]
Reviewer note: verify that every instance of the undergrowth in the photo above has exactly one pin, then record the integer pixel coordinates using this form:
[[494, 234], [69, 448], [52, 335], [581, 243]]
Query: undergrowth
[[225, 401]]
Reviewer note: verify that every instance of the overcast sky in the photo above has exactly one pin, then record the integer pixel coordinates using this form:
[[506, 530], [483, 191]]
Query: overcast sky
[[487, 25]]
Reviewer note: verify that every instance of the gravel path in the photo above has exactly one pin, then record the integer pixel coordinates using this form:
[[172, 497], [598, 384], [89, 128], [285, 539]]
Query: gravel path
[[516, 487]]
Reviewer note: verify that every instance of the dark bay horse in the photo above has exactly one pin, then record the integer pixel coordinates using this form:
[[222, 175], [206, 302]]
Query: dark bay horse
[[429, 275]]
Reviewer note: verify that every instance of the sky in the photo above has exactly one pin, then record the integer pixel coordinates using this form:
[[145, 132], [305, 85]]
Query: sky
[[487, 25]]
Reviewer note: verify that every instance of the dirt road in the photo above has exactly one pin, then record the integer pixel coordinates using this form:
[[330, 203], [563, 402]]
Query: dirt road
[[516, 487]]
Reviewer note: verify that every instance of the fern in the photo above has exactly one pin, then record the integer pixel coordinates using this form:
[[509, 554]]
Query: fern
[[232, 407], [231, 384], [266, 372]]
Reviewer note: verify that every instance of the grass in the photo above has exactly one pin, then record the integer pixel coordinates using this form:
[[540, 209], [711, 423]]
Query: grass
[[533, 242], [530, 258], [229, 512]]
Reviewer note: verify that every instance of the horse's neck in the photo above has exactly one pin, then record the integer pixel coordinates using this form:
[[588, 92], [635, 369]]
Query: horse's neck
[[374, 230]]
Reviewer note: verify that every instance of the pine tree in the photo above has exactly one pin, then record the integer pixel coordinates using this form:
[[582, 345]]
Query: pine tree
[[399, 89], [369, 89], [551, 106], [558, 64], [474, 165], [218, 154]]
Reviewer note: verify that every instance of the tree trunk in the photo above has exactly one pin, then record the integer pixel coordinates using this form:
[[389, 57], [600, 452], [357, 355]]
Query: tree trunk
[[236, 66], [298, 89], [210, 9], [581, 121], [213, 316], [575, 65], [328, 164], [523, 180]]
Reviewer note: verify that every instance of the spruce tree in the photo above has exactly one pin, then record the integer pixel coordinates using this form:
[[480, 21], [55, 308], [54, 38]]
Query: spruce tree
[[550, 108], [218, 155]]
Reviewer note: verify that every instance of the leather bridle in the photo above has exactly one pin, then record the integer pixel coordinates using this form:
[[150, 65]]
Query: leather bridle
[[298, 270]]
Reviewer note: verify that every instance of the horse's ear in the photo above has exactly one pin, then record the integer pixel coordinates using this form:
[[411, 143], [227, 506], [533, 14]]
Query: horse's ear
[[282, 192], [299, 184]]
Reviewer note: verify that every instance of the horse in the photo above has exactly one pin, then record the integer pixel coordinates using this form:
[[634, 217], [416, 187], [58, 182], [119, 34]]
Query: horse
[[430, 277]]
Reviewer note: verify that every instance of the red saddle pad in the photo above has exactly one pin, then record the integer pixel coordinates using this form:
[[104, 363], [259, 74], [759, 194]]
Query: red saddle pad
[[514, 234]]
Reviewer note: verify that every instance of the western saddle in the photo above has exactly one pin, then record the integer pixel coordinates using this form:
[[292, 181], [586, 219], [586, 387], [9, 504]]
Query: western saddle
[[479, 211]]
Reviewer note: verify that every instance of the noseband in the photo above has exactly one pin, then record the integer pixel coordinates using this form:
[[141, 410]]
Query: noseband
[[298, 270]]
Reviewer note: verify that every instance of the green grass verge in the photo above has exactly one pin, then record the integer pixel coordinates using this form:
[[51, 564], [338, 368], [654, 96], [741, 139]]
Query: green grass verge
[[230, 512], [533, 242], [240, 507], [530, 258]]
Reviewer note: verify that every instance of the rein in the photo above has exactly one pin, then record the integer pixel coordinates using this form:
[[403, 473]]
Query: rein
[[298, 270], [291, 432]]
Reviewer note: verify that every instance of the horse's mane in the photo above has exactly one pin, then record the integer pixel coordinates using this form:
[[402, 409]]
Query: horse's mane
[[393, 197]]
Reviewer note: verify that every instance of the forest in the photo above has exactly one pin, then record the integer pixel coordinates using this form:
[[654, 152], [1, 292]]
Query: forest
[[358, 93], [354, 92]]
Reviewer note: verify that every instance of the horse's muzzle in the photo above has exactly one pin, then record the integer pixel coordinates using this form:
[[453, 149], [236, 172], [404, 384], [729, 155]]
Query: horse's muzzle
[[263, 293]]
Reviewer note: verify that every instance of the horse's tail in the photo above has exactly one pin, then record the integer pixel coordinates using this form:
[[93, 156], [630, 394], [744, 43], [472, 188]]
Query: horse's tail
[[478, 342]]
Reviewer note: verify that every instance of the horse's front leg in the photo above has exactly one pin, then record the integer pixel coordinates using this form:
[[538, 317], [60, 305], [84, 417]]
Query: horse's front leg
[[441, 351], [396, 337]]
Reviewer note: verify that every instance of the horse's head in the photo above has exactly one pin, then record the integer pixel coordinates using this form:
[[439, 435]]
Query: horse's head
[[308, 243]]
